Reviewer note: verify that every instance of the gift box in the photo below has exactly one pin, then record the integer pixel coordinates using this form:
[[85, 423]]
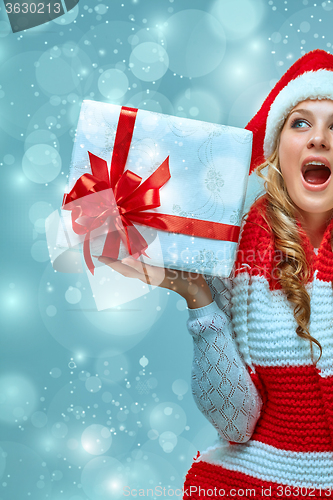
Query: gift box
[[167, 190]]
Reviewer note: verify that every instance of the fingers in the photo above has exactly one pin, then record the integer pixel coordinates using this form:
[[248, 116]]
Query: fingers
[[146, 274], [133, 263], [130, 268], [120, 267], [133, 268], [149, 274]]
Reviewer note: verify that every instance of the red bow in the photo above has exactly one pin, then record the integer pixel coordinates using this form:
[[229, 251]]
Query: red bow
[[121, 199], [116, 199]]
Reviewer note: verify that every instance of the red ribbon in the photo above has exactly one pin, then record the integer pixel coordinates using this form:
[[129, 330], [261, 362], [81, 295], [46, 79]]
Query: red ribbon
[[129, 203]]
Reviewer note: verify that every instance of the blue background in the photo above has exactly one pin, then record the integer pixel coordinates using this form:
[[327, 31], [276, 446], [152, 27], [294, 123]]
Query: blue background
[[91, 402]]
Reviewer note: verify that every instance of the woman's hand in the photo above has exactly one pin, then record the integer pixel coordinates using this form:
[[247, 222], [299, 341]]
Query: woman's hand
[[191, 286]]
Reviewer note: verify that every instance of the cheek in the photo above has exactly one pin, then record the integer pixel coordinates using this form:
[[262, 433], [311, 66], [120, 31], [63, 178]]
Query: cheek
[[289, 157], [291, 145], [288, 180], [287, 148], [288, 170]]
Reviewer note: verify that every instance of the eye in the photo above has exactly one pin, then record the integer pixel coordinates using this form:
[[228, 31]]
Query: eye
[[299, 123]]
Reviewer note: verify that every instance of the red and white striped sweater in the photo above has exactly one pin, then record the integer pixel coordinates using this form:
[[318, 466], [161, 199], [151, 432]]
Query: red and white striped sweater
[[290, 452]]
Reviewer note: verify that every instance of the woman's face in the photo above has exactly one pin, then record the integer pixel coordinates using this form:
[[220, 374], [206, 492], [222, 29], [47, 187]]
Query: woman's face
[[306, 156]]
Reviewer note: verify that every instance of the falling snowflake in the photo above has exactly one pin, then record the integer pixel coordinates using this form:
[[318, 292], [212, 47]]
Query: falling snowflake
[[143, 361], [142, 387]]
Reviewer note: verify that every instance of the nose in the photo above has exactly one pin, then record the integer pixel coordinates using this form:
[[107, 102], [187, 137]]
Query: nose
[[319, 139]]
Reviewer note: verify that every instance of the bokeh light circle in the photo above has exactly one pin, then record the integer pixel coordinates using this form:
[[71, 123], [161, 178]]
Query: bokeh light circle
[[152, 434], [328, 5], [247, 104], [55, 372], [301, 32], [104, 478], [4, 29], [240, 18], [51, 311], [107, 397], [113, 84], [167, 441], [9, 159], [181, 305], [148, 467], [41, 163], [168, 417], [112, 366], [16, 110], [57, 475], [93, 384], [101, 9], [196, 43], [38, 419], [96, 439], [143, 35], [143, 361], [198, 104], [123, 328], [39, 226], [39, 251], [70, 49], [55, 76], [80, 409], [155, 101], [149, 61], [73, 295], [40, 210], [72, 444], [59, 430], [68, 17], [55, 100], [18, 398], [25, 471], [304, 26], [180, 387], [276, 37]]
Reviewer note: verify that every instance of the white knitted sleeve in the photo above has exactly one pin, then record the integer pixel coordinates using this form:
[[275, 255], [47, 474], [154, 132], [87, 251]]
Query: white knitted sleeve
[[221, 385]]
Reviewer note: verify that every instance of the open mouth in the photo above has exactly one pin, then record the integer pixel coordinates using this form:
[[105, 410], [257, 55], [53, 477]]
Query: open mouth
[[316, 173]]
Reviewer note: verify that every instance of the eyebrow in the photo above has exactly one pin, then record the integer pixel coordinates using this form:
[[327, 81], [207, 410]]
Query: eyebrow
[[299, 111], [307, 112]]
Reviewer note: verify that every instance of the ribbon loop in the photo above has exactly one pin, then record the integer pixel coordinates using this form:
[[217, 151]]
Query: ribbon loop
[[127, 183]]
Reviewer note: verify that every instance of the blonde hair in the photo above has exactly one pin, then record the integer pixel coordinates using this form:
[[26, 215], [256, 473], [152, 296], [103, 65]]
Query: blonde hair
[[293, 269]]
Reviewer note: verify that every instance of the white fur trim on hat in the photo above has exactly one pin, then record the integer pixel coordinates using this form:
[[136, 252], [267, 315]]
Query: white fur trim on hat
[[309, 85]]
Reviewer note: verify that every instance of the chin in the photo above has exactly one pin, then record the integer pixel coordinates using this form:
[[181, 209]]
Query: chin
[[313, 209]]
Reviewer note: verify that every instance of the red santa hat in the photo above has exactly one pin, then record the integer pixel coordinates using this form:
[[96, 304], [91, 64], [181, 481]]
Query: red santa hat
[[310, 77]]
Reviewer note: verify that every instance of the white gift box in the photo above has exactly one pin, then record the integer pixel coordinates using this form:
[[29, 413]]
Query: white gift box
[[209, 166]]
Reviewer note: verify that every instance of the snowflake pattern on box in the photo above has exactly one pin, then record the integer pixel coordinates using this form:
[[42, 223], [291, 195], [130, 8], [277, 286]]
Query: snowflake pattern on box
[[235, 218], [177, 209], [214, 180], [206, 260]]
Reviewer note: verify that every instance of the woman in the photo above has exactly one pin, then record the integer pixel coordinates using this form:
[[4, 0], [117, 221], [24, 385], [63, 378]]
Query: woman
[[265, 380]]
